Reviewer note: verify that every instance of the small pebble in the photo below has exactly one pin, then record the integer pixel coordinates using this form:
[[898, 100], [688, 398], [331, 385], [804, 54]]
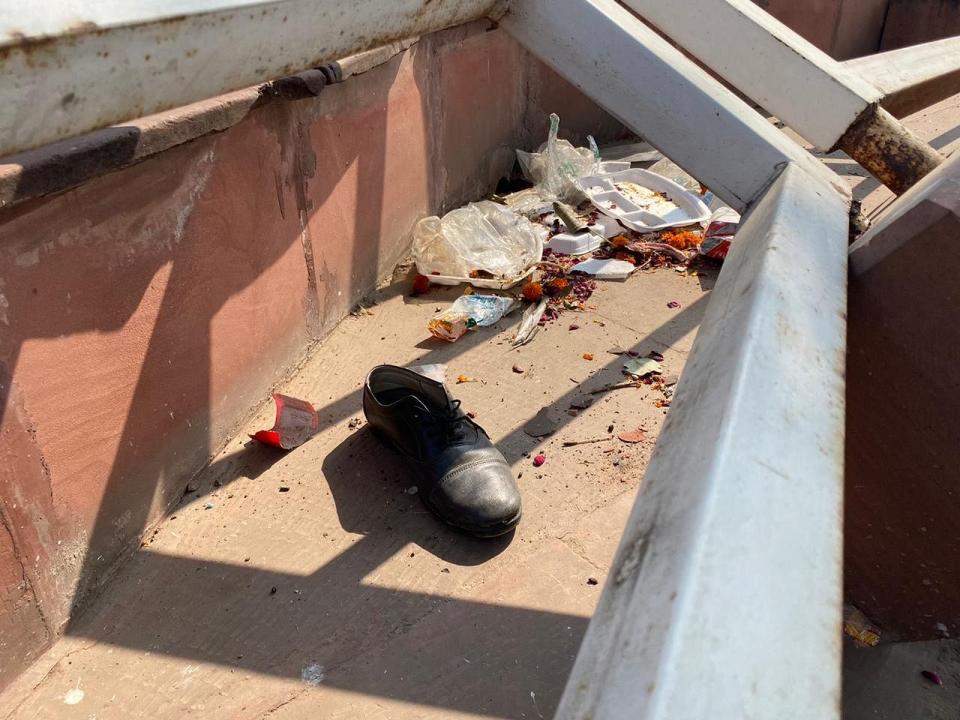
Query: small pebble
[[574, 326], [519, 369], [412, 490], [673, 304], [284, 488], [273, 590], [591, 581]]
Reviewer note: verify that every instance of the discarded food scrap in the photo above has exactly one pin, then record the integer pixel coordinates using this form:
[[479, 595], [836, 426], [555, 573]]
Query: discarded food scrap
[[641, 367]]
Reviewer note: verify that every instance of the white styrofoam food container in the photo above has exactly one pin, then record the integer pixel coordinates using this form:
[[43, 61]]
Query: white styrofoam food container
[[605, 269], [574, 243], [489, 283], [603, 193]]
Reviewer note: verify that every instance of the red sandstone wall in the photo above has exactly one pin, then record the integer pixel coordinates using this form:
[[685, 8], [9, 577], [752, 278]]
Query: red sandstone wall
[[145, 312]]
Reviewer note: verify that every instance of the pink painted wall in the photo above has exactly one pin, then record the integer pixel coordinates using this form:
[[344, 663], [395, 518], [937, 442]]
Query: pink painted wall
[[144, 313], [841, 28]]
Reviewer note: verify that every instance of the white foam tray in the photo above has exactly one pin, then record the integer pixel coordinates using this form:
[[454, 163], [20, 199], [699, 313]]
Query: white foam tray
[[570, 244], [603, 193], [489, 283]]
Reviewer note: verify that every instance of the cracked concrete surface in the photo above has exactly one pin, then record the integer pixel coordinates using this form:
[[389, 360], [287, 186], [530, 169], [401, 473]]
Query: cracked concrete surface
[[345, 575]]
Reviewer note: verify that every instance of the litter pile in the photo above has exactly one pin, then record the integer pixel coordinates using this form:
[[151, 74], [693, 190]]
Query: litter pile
[[546, 249], [583, 220]]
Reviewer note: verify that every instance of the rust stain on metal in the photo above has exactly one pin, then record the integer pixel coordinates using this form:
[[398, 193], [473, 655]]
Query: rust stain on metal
[[892, 154]]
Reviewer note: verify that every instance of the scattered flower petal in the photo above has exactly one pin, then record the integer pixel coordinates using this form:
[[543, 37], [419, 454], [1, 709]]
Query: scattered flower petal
[[633, 436], [932, 677], [421, 285]]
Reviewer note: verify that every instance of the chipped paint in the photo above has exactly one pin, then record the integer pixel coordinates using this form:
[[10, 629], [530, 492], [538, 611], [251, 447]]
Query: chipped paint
[[4, 305], [201, 177]]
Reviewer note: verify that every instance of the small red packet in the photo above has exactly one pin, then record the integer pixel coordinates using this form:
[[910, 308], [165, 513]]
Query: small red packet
[[297, 421], [720, 232]]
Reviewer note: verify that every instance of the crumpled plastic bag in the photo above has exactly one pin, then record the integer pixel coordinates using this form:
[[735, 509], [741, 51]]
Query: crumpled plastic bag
[[483, 236], [555, 167]]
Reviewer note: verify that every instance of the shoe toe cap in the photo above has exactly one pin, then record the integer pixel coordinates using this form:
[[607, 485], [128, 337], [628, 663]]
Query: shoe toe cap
[[481, 497]]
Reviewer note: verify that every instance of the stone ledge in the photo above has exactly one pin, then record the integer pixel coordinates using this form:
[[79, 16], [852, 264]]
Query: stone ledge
[[68, 163]]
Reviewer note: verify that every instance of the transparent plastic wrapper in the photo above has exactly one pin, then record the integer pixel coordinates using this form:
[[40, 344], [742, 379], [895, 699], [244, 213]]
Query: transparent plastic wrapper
[[467, 312], [556, 166], [482, 237]]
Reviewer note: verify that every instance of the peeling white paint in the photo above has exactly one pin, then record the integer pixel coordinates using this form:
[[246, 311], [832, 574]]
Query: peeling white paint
[[26, 259], [4, 304], [205, 168]]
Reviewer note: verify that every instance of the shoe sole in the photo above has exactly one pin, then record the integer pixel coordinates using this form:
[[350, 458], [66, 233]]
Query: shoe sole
[[487, 531]]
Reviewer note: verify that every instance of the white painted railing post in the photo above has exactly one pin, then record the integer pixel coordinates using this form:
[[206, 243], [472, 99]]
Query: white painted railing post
[[828, 103], [723, 600]]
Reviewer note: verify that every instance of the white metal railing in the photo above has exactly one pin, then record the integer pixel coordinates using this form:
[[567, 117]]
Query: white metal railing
[[64, 73], [914, 77], [827, 102], [723, 600]]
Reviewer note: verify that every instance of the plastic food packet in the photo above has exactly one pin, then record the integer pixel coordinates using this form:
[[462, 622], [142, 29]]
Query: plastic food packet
[[482, 236], [856, 625], [467, 312], [296, 422], [721, 227]]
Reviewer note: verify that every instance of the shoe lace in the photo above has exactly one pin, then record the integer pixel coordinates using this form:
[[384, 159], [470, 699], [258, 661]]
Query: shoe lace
[[451, 423]]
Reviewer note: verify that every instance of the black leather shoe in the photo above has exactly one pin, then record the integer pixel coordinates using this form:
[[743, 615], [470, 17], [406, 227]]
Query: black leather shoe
[[464, 479]]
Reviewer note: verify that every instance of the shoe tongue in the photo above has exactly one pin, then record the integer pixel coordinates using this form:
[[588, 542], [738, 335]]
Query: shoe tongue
[[435, 395]]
